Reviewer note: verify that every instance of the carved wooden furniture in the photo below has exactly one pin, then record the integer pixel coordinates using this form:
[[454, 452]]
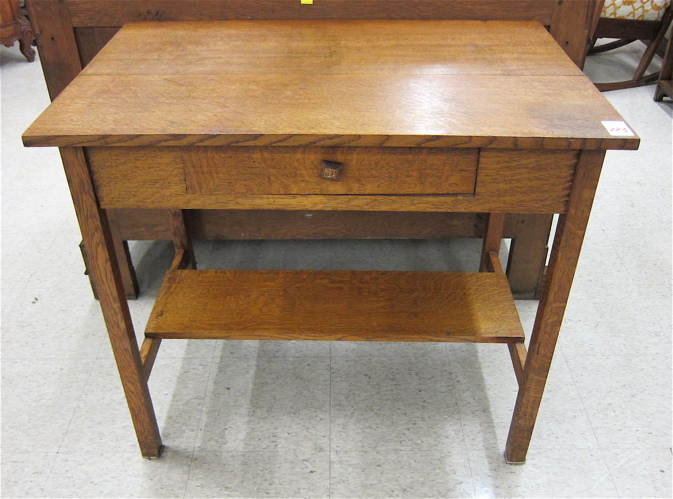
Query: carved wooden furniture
[[71, 32], [14, 26], [257, 115], [630, 21]]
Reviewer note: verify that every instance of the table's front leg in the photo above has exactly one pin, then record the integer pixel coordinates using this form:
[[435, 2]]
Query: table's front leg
[[107, 279], [565, 254]]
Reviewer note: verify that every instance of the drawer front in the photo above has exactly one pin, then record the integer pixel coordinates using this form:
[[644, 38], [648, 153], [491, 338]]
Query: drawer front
[[372, 179], [328, 171]]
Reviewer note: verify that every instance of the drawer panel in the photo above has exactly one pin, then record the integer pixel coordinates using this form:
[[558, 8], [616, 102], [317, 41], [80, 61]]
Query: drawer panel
[[329, 171], [510, 181]]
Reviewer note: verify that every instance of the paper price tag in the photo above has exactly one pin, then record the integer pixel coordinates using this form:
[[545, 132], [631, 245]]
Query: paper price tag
[[618, 128], [307, 2]]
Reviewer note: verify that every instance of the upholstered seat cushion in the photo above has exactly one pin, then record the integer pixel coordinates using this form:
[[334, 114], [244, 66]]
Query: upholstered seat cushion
[[643, 10]]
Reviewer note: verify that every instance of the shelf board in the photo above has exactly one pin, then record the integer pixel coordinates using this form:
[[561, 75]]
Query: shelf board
[[335, 305]]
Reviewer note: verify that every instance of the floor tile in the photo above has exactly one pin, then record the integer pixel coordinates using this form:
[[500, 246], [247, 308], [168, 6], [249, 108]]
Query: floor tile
[[660, 305], [62, 265], [306, 255], [259, 474], [39, 397], [261, 349], [20, 254], [642, 472], [151, 260], [548, 472], [487, 393], [409, 255], [390, 403], [8, 298], [266, 404], [592, 336], [111, 474], [44, 193], [410, 474], [364, 350], [628, 400], [256, 254], [25, 474], [54, 323], [102, 418], [485, 382]]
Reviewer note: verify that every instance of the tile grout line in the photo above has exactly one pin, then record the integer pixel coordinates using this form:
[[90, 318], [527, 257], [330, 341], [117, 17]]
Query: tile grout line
[[586, 413], [198, 426], [460, 418], [329, 415], [65, 433]]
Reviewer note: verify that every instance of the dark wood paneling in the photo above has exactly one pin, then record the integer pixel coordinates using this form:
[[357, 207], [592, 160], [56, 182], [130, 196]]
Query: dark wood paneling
[[88, 13]]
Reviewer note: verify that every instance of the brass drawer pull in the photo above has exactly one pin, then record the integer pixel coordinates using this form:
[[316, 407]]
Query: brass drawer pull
[[332, 170]]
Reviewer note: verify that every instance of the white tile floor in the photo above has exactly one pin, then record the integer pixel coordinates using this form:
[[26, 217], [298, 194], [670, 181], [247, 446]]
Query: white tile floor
[[342, 420]]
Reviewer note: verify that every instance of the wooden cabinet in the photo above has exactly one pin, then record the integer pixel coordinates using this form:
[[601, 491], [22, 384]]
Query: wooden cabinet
[[14, 26]]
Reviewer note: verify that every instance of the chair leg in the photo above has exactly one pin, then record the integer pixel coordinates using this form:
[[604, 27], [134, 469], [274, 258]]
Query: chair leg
[[593, 49], [654, 45]]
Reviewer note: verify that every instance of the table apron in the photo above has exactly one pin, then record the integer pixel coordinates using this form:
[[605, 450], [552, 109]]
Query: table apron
[[374, 179]]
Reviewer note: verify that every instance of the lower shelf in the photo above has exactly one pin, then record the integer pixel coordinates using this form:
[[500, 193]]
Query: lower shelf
[[335, 305]]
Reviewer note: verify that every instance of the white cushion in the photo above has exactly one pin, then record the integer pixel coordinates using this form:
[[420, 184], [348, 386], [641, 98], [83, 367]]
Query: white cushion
[[642, 10]]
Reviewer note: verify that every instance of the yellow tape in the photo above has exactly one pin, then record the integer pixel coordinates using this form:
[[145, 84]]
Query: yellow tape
[[307, 2]]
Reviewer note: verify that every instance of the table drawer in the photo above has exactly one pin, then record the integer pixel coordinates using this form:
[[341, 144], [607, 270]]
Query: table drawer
[[254, 171], [373, 179], [320, 170]]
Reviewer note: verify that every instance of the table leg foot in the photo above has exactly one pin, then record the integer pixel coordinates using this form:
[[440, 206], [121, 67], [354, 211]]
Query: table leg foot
[[154, 454], [515, 463]]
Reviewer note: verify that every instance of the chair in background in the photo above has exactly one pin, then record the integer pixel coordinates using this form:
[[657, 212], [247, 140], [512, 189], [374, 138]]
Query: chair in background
[[629, 21]]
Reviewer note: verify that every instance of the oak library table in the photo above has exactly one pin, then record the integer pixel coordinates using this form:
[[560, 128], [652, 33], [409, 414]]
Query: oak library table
[[426, 116]]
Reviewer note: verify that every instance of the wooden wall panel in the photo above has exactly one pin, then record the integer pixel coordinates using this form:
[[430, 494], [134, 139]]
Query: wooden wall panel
[[88, 13]]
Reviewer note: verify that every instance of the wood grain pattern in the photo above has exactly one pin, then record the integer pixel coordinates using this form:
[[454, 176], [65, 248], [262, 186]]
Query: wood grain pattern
[[314, 305], [508, 181], [492, 241], [565, 254], [56, 43], [571, 27], [100, 254], [304, 224], [148, 354], [335, 47], [297, 170], [518, 353], [181, 239], [120, 12], [493, 263], [101, 16], [528, 255], [91, 40], [123, 255], [341, 110], [349, 100]]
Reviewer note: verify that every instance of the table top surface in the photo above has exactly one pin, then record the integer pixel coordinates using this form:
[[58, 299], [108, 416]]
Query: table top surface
[[329, 83]]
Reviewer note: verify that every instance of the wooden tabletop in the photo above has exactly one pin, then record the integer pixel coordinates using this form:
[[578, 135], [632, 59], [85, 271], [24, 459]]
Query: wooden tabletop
[[360, 83]]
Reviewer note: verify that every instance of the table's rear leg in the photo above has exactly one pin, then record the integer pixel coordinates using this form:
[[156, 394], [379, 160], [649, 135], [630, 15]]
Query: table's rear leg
[[565, 254], [528, 255], [128, 273], [105, 272]]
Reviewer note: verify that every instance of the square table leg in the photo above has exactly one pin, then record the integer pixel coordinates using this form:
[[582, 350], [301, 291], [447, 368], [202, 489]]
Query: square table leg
[[107, 278], [565, 255]]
